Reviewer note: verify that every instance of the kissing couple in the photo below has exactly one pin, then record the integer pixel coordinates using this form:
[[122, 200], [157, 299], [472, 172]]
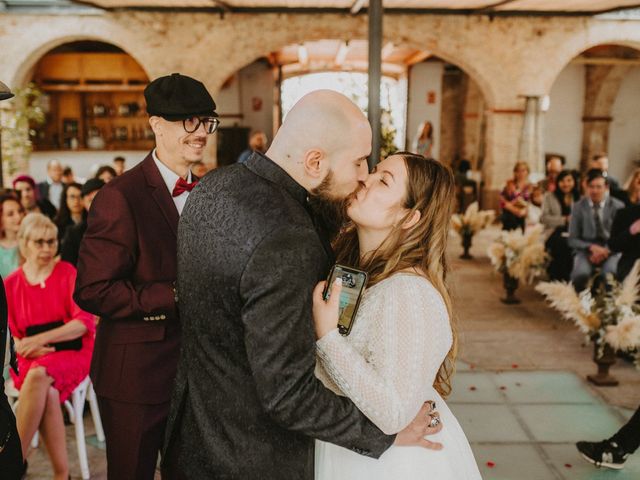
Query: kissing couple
[[267, 386]]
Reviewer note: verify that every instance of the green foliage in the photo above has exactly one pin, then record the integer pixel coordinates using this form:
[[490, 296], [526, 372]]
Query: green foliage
[[387, 135], [18, 118]]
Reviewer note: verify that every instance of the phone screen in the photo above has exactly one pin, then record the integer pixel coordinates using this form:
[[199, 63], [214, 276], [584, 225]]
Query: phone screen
[[353, 283]]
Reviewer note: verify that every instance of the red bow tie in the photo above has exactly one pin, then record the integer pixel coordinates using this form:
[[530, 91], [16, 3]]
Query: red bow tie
[[183, 186]]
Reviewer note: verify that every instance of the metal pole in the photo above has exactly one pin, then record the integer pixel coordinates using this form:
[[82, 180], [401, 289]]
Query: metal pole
[[375, 75]]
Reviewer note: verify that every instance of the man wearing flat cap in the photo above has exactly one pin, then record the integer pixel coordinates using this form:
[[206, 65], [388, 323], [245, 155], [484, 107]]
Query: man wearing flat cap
[[127, 273]]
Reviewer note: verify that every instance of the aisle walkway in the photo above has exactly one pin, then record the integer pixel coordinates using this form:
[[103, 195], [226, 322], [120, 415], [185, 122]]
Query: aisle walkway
[[523, 425]]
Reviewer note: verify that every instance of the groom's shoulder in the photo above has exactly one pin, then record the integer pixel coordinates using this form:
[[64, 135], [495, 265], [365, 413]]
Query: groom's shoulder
[[251, 194]]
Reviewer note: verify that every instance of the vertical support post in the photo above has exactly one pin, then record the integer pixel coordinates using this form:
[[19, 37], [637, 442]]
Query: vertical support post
[[375, 77], [530, 148]]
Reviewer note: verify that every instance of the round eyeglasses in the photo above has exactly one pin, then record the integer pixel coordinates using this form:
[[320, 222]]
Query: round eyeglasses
[[192, 124]]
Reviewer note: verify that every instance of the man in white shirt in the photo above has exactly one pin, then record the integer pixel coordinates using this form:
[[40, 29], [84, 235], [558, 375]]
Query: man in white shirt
[[127, 268]]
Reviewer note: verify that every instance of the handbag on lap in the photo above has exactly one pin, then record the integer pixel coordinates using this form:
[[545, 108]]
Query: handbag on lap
[[75, 344]]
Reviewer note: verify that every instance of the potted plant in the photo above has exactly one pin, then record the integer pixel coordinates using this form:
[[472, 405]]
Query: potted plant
[[471, 222], [609, 315], [19, 117], [518, 257]]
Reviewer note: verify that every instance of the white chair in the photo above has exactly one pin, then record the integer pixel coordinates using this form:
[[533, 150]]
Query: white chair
[[75, 408]]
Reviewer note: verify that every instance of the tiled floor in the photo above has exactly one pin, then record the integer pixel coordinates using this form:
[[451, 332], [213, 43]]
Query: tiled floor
[[523, 425], [523, 404]]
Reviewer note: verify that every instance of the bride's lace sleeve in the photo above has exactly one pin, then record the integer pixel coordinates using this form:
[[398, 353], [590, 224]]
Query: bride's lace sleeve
[[411, 336]]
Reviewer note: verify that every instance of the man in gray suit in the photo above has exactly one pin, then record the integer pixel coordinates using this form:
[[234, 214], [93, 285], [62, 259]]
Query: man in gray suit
[[590, 228], [253, 242]]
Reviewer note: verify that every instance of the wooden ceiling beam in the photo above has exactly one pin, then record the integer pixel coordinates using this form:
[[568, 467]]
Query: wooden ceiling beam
[[417, 57]]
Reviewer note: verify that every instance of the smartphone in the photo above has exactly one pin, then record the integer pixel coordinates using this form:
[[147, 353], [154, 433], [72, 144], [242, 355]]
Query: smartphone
[[353, 284]]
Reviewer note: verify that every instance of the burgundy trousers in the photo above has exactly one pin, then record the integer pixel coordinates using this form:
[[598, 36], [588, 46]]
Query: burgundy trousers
[[134, 435]]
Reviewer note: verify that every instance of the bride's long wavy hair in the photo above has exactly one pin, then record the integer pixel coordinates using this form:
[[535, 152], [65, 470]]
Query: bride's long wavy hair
[[430, 190]]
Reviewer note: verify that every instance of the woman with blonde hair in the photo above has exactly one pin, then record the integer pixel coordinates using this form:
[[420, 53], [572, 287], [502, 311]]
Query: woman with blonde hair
[[53, 336], [402, 347]]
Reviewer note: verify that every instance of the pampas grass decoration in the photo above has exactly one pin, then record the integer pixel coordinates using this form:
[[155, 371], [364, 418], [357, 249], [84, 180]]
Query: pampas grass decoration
[[522, 256], [473, 219], [630, 290], [563, 297], [625, 335]]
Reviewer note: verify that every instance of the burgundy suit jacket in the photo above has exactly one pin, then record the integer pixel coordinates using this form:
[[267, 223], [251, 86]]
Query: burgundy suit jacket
[[126, 271]]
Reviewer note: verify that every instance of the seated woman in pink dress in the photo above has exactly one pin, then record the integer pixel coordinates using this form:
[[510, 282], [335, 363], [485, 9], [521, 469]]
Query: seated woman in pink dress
[[54, 338]]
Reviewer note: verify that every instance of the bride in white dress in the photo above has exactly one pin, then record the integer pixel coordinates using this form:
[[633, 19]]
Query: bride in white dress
[[402, 345]]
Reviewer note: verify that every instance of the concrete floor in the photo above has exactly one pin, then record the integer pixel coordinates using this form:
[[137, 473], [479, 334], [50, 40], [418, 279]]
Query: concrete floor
[[520, 392]]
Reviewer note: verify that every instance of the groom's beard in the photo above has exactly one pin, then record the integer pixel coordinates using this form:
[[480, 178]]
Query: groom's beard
[[328, 211]]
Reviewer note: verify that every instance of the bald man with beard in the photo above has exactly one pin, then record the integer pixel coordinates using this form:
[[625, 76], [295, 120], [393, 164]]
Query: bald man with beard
[[253, 241]]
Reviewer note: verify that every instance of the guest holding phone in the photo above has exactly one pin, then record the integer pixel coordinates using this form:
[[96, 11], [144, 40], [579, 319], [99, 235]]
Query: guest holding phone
[[53, 336]]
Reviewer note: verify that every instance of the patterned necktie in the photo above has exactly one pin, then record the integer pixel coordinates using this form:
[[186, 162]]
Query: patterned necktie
[[183, 186], [600, 233]]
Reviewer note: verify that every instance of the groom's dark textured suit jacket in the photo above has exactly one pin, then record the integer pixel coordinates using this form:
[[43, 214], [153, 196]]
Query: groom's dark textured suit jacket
[[246, 404]]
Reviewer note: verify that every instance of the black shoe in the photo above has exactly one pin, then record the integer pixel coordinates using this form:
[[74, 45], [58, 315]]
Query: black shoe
[[603, 454]]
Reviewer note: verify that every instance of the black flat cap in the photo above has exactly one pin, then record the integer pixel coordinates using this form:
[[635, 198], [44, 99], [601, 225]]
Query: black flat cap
[[91, 185], [176, 97], [5, 92]]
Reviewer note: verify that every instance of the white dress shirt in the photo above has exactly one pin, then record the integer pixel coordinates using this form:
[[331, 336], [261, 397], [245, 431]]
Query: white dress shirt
[[55, 192], [170, 178]]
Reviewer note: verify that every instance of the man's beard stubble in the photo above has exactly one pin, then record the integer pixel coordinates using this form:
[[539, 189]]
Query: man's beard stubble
[[329, 212]]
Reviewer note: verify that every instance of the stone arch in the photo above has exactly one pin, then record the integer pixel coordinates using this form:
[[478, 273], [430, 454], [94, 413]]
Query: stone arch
[[30, 60], [339, 28], [574, 45]]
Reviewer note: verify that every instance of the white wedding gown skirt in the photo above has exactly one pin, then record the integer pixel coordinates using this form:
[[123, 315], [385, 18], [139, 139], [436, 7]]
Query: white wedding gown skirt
[[454, 462]]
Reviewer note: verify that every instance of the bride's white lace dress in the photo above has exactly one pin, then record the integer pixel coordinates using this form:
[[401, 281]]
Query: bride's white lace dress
[[387, 366]]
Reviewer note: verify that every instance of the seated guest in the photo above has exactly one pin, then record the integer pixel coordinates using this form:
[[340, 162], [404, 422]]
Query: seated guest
[[11, 214], [556, 213], [625, 238], [72, 238], [72, 210], [632, 189], [553, 166], [600, 161], [589, 231], [54, 338], [106, 173], [515, 197], [25, 187]]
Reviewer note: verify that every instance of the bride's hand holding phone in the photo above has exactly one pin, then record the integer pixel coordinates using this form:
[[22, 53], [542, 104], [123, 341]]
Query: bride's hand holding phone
[[326, 313]]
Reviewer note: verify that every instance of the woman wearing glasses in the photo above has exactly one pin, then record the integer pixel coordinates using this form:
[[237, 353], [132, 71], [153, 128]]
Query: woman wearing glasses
[[53, 336]]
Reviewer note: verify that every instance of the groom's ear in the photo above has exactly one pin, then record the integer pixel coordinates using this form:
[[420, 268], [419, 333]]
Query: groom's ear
[[313, 163]]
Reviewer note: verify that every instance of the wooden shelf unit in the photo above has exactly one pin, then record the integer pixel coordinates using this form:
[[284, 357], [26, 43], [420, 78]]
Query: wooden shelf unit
[[86, 94]]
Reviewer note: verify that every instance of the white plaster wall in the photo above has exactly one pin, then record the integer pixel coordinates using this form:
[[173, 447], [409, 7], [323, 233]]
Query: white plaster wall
[[423, 78], [563, 120], [624, 135], [228, 102], [84, 163], [256, 81]]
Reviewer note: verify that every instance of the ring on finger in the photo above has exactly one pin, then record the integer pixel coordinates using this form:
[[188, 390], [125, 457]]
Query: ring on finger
[[435, 420]]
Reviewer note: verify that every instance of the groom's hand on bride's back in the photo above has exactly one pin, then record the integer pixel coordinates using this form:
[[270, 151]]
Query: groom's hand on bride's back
[[414, 433]]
